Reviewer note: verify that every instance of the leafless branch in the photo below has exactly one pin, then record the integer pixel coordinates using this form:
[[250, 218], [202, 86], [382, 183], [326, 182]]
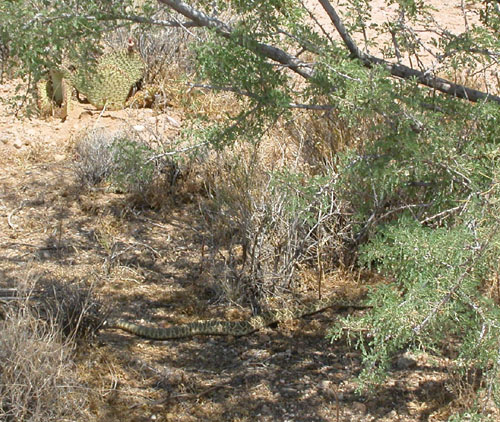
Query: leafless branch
[[176, 152], [151, 21]]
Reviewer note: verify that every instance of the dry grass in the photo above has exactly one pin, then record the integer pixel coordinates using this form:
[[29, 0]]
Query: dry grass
[[73, 308], [37, 375], [94, 157], [270, 219]]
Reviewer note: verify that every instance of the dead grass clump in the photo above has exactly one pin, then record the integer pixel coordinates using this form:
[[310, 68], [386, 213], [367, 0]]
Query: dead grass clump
[[95, 160], [469, 393], [37, 381], [166, 53], [72, 307]]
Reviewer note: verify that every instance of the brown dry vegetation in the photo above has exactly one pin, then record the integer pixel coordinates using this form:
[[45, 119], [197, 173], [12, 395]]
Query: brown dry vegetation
[[165, 266], [170, 253]]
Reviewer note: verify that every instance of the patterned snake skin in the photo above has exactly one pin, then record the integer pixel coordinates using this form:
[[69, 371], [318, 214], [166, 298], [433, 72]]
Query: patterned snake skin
[[232, 328]]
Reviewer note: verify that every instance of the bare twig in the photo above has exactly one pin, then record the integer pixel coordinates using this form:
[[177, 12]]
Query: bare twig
[[175, 152], [39, 18], [442, 213], [11, 214], [317, 22]]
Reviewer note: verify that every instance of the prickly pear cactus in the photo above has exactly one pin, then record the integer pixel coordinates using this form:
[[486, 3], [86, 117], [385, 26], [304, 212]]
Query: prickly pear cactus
[[108, 85]]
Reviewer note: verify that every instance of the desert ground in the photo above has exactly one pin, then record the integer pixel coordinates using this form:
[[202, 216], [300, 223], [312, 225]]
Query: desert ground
[[155, 265]]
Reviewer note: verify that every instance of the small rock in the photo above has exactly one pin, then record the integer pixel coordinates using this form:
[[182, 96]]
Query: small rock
[[338, 366], [18, 144], [359, 407], [405, 362], [173, 121], [264, 338], [4, 137], [325, 385], [139, 128], [85, 115], [59, 157]]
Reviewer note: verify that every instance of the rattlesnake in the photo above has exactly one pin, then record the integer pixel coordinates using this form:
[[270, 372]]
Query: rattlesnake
[[232, 328]]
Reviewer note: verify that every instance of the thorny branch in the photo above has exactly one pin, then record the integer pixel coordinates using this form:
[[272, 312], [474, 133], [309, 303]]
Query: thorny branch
[[306, 69], [403, 71]]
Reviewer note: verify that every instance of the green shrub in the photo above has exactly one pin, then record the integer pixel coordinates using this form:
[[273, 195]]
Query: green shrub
[[133, 166], [426, 207]]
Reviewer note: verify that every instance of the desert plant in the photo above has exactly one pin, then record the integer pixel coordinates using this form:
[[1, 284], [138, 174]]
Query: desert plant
[[72, 308], [133, 169], [272, 223], [37, 380], [128, 164], [421, 183], [94, 157]]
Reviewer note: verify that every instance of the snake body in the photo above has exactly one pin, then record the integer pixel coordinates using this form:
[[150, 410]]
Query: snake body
[[222, 327]]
